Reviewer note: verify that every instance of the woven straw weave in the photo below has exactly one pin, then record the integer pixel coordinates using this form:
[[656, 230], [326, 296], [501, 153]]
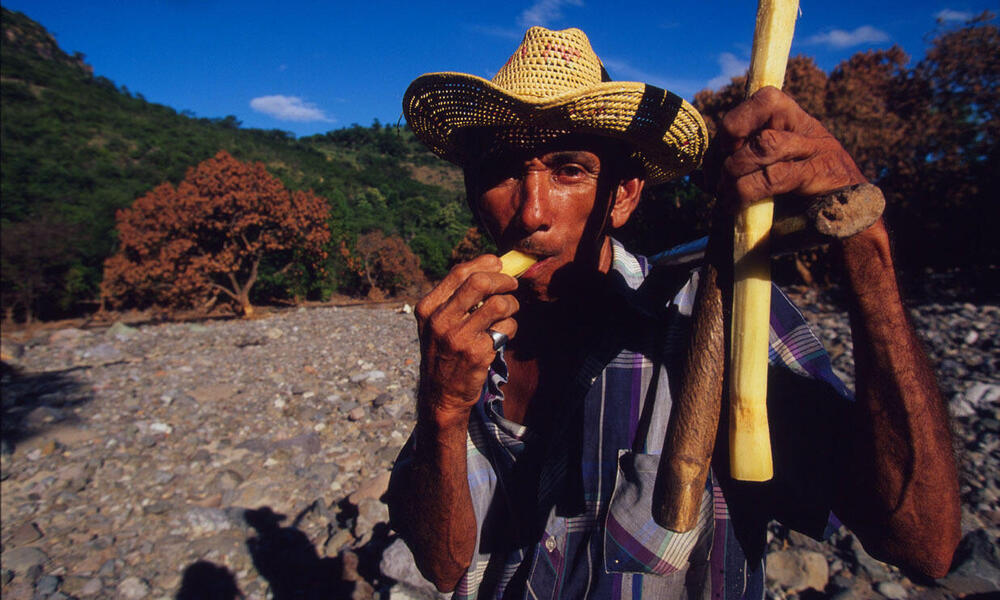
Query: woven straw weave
[[554, 84]]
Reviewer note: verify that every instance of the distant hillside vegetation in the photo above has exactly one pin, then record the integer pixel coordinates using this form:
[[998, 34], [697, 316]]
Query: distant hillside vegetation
[[77, 147]]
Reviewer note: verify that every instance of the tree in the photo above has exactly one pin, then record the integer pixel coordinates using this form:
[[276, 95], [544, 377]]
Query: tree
[[926, 135], [953, 165], [35, 274], [864, 111], [185, 246], [473, 244], [387, 265]]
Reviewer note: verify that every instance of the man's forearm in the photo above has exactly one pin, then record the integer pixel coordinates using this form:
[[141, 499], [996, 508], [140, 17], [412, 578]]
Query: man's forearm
[[436, 516], [901, 441]]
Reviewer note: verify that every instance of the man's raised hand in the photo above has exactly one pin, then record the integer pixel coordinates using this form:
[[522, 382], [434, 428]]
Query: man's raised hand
[[771, 146], [455, 346]]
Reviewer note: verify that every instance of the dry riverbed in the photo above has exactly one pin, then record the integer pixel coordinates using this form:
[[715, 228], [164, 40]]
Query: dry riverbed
[[248, 457]]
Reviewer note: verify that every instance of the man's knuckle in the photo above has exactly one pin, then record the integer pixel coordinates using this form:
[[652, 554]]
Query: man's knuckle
[[423, 310], [451, 341], [768, 142], [438, 327], [729, 124], [480, 283], [768, 96], [752, 187]]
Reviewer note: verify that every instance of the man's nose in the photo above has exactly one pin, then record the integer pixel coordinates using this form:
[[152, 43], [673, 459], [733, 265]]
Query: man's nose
[[533, 212]]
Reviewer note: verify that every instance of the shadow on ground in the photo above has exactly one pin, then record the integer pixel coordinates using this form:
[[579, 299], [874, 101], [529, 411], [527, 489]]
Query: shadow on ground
[[290, 564], [32, 402], [205, 580], [286, 558]]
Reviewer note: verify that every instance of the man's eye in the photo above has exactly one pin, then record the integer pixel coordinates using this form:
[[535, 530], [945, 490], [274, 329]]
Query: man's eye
[[570, 173]]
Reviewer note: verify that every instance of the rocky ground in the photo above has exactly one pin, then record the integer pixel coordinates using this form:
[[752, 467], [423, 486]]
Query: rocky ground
[[228, 458]]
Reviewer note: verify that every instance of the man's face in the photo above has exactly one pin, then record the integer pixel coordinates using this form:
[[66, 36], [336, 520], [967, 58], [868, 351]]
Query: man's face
[[552, 205]]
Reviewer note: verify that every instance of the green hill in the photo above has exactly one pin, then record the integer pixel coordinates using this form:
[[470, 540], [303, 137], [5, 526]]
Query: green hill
[[77, 147]]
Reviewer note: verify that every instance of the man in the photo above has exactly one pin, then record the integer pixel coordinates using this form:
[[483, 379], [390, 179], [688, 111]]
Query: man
[[542, 401]]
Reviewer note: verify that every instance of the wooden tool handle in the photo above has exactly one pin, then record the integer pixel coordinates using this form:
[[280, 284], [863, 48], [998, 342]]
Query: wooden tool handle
[[694, 415], [749, 440]]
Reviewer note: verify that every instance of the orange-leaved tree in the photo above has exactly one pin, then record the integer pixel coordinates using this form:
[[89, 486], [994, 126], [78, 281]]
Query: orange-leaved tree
[[387, 264], [189, 245]]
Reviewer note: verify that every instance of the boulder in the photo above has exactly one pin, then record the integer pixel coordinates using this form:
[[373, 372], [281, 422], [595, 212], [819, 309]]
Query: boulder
[[797, 570]]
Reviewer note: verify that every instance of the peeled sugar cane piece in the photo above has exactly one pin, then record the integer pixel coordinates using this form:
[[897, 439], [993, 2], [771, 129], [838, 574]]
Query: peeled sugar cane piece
[[515, 263], [749, 439]]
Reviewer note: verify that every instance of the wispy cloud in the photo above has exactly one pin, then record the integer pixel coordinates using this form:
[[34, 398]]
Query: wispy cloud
[[729, 66], [838, 38], [948, 15], [544, 12], [622, 70], [505, 33], [289, 108]]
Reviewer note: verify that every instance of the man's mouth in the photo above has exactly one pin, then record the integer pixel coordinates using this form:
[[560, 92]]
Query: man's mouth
[[535, 268]]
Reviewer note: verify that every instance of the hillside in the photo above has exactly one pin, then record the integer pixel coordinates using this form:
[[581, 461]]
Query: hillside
[[77, 147]]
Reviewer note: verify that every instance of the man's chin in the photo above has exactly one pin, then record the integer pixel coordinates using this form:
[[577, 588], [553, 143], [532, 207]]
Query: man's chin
[[567, 281], [530, 292]]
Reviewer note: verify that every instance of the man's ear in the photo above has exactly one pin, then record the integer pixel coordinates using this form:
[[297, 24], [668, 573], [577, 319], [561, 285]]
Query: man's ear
[[626, 200]]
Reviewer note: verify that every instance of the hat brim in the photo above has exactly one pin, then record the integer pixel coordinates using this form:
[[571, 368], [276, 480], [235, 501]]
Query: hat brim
[[668, 133]]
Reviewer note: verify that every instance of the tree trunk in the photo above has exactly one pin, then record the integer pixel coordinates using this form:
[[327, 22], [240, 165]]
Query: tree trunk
[[243, 291], [368, 274], [248, 310]]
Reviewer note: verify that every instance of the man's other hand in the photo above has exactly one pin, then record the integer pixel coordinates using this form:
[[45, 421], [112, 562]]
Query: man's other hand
[[769, 146], [455, 346]]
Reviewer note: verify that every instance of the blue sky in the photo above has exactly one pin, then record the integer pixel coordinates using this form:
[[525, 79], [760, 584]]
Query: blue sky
[[309, 66]]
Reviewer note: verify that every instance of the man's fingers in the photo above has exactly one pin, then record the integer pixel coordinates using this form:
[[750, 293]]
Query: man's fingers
[[507, 326], [768, 147], [477, 288], [494, 309], [443, 291], [768, 108], [769, 181]]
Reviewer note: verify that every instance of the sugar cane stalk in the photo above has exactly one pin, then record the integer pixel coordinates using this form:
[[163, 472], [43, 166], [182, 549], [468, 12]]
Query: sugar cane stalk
[[749, 439]]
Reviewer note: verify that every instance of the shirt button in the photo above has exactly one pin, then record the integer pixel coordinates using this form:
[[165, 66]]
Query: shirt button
[[550, 544]]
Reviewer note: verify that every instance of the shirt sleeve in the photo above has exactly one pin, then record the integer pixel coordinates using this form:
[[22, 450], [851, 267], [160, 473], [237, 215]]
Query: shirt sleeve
[[482, 487]]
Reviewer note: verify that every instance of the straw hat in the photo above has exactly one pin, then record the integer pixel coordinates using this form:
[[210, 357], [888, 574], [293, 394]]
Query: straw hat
[[554, 85]]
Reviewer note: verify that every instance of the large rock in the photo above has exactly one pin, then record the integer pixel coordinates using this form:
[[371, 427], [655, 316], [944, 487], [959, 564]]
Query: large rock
[[25, 534], [976, 567], [981, 395], [797, 570], [103, 352], [214, 392], [121, 332], [373, 488], [397, 563], [133, 588], [891, 590], [202, 520], [20, 560], [371, 512]]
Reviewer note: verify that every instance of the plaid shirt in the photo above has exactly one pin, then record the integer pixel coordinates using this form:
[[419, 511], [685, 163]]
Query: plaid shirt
[[569, 514]]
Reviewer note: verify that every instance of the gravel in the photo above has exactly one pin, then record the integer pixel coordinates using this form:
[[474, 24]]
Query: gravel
[[157, 460]]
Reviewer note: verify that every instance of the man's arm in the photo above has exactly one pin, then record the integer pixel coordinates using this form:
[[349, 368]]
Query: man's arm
[[900, 419], [898, 477], [430, 501]]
